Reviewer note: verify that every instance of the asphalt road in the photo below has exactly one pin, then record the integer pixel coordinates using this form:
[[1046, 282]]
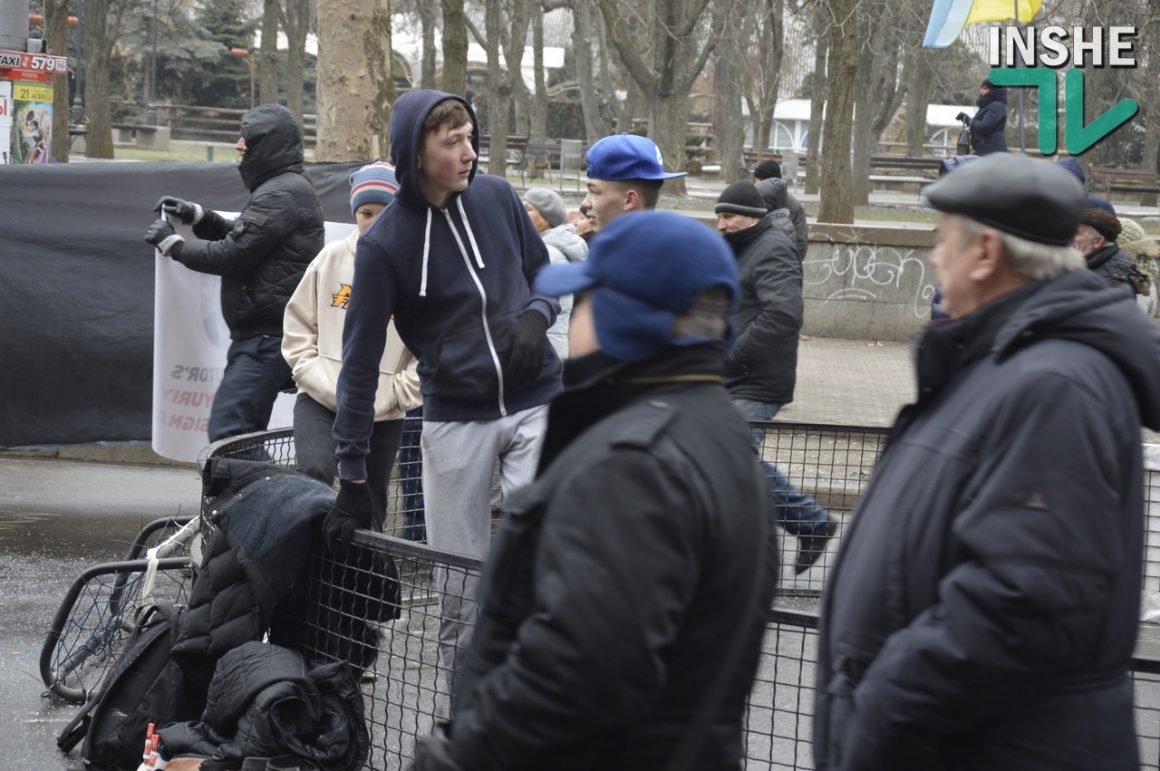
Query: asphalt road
[[57, 518]]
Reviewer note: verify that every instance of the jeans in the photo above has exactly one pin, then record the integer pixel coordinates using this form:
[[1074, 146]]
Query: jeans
[[314, 450], [255, 373], [797, 512]]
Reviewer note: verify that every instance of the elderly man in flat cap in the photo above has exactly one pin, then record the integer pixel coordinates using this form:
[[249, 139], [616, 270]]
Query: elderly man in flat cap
[[983, 608]]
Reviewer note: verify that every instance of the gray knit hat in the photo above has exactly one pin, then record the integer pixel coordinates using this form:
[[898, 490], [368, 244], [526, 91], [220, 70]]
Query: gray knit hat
[[549, 204]]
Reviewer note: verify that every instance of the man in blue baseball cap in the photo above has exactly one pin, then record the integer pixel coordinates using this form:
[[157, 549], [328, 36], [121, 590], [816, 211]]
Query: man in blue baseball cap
[[625, 173], [621, 623]]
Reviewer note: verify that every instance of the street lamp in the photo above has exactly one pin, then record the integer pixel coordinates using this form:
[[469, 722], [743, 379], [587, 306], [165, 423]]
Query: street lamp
[[244, 54]]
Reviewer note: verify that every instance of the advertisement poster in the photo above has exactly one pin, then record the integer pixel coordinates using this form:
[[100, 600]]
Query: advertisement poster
[[5, 120], [190, 341], [28, 81]]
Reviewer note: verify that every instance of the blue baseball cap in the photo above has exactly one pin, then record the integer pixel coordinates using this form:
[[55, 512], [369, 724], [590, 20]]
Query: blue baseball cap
[[644, 270], [627, 156]]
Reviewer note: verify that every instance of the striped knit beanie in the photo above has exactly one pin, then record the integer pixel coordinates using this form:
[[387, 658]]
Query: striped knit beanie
[[373, 183]]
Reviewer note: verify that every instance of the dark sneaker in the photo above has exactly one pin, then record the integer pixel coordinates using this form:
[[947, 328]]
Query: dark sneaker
[[811, 547]]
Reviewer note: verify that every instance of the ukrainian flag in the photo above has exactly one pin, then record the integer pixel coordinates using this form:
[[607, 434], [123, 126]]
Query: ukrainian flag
[[948, 18]]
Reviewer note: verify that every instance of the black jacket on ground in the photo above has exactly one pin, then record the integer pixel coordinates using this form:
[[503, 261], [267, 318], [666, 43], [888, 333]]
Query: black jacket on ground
[[983, 608], [262, 254], [762, 362], [990, 122], [617, 577]]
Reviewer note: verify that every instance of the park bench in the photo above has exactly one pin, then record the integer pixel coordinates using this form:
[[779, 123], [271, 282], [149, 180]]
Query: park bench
[[516, 148], [923, 170], [541, 156], [1109, 179], [142, 135]]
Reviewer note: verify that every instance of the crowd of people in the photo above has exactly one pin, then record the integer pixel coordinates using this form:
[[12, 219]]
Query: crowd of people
[[615, 368]]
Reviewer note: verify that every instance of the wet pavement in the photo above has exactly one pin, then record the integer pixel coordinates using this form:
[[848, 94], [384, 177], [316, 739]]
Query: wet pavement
[[56, 519]]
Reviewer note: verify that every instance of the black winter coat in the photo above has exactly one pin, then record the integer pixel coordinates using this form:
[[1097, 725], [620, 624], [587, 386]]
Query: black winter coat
[[777, 196], [262, 254], [1112, 264], [990, 122], [617, 577], [983, 608], [762, 362]]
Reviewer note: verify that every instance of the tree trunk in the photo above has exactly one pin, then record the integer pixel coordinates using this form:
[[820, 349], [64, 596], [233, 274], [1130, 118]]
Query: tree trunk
[[585, 80], [817, 103], [842, 71], [918, 78], [56, 37], [772, 50], [268, 56], [454, 80], [669, 128], [728, 122], [864, 97], [102, 28], [538, 112], [498, 94], [355, 87], [296, 21], [427, 11]]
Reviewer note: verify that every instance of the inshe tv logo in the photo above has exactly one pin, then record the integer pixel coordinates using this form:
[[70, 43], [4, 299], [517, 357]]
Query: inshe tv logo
[[1054, 47]]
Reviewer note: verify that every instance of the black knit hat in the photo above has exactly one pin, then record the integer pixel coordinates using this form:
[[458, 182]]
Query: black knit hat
[[767, 169], [741, 198]]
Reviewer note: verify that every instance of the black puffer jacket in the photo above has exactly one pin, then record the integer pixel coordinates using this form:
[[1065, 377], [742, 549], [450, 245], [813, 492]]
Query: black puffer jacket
[[262, 254], [762, 363], [777, 196], [617, 577], [983, 608], [264, 701], [990, 123]]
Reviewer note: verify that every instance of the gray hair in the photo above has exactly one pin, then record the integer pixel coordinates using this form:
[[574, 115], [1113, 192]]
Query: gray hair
[[1030, 259]]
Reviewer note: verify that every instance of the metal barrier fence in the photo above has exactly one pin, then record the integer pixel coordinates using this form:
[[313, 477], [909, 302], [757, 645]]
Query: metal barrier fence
[[407, 687]]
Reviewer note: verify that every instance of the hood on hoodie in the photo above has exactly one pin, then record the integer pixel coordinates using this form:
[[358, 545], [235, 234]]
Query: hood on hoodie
[[410, 111], [1082, 307], [273, 144], [564, 238], [774, 192]]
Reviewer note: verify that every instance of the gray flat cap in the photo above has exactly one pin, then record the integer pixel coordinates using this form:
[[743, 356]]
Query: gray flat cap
[[1026, 197]]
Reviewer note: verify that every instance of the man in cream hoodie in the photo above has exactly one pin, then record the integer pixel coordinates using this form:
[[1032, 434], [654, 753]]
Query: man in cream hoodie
[[312, 345]]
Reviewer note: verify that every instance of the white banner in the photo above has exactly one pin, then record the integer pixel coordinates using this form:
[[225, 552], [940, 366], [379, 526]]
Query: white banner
[[190, 342]]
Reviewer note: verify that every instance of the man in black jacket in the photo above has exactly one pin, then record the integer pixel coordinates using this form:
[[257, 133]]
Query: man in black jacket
[[773, 188], [623, 605], [989, 125], [1096, 240], [260, 256], [983, 608], [761, 366]]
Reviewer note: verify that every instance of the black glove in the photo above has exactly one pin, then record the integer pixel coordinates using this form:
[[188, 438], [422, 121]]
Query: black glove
[[433, 753], [962, 117], [353, 509], [527, 343], [187, 212], [161, 235]]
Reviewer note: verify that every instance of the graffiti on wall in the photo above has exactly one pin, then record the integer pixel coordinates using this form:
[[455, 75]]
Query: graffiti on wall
[[872, 273]]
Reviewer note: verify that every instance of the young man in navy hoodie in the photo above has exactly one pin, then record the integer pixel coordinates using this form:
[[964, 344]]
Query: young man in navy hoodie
[[453, 263]]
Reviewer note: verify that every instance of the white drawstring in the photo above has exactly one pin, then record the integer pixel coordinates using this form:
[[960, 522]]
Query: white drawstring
[[470, 234], [426, 253]]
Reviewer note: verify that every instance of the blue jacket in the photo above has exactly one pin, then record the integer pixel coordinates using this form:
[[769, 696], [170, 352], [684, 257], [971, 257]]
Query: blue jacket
[[455, 279], [989, 123]]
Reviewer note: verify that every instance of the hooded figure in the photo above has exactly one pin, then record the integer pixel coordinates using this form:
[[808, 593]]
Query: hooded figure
[[261, 256], [989, 123]]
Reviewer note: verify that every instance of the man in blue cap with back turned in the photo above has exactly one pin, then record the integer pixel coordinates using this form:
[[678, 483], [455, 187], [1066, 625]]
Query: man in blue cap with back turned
[[623, 604], [625, 173]]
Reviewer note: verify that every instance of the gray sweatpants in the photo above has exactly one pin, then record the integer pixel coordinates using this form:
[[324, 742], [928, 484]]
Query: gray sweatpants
[[459, 459]]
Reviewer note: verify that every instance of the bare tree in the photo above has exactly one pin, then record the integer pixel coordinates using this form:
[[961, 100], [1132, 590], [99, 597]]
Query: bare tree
[[538, 108], [501, 79], [294, 16], [766, 75], [582, 28], [879, 89], [427, 19], [454, 78], [268, 53], [918, 74], [846, 36], [817, 99], [355, 82], [56, 37], [678, 48], [728, 75], [102, 28]]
